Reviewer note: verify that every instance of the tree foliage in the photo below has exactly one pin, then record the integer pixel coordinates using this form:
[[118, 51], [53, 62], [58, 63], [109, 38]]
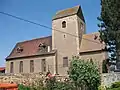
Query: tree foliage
[[110, 27], [83, 72]]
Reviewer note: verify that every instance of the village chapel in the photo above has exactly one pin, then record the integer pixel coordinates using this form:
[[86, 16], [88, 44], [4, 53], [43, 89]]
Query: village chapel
[[53, 53]]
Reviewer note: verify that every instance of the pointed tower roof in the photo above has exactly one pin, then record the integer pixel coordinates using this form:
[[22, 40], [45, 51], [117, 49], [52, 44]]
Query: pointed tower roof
[[70, 11]]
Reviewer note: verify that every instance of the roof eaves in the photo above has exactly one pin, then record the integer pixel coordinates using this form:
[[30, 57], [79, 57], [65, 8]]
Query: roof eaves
[[54, 18], [40, 54], [88, 51]]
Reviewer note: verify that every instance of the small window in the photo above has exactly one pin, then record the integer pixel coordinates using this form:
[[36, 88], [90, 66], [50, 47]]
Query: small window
[[21, 67], [19, 49], [43, 47], [11, 67], [65, 61], [64, 24], [95, 37], [64, 36], [43, 65], [31, 66], [81, 26]]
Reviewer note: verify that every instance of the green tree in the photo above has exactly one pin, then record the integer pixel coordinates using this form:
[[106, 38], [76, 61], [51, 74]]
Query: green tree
[[83, 72], [110, 27]]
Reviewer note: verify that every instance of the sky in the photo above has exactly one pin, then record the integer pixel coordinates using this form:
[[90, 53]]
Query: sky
[[40, 11]]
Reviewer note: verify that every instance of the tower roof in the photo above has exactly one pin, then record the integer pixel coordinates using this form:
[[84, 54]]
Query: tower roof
[[68, 12]]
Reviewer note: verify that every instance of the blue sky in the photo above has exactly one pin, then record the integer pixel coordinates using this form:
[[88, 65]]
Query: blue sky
[[40, 11]]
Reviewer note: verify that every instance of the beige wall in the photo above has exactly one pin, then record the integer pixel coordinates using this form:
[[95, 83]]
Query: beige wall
[[50, 61], [97, 57], [70, 45]]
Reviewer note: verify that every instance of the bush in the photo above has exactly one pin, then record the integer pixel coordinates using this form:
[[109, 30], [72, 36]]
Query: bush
[[22, 87], [83, 72], [114, 89], [53, 84], [115, 85], [101, 87]]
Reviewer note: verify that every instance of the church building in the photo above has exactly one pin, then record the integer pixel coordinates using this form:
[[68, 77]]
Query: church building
[[53, 53]]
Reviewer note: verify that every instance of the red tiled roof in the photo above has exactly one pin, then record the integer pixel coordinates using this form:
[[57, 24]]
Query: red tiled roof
[[89, 43], [2, 68], [30, 47]]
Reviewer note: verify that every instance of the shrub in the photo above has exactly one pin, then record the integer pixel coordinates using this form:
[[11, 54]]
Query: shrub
[[83, 72], [114, 89], [22, 87], [115, 85], [101, 87]]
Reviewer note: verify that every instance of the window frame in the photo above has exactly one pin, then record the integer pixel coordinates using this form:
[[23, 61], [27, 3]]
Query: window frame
[[65, 61], [81, 26], [43, 65], [31, 66], [64, 24], [21, 67], [11, 67]]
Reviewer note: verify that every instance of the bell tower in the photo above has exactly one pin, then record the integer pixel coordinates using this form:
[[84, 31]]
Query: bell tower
[[68, 26]]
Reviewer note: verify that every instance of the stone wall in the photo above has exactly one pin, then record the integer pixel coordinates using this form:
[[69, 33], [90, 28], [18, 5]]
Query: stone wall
[[25, 79], [28, 79], [109, 78]]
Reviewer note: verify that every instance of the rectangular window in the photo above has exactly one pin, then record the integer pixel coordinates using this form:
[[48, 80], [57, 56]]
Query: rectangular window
[[21, 67], [81, 25], [11, 67], [43, 65], [31, 66], [65, 61]]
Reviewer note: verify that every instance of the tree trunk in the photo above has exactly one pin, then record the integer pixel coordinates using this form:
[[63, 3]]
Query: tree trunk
[[118, 59]]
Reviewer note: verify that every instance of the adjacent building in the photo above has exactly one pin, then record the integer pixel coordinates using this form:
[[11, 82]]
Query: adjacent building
[[2, 70]]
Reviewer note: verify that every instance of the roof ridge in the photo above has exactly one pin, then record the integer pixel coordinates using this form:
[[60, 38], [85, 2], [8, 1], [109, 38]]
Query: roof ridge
[[66, 12], [67, 9], [35, 39]]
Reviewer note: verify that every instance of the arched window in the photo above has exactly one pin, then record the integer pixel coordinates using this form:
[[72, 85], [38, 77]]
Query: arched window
[[64, 24]]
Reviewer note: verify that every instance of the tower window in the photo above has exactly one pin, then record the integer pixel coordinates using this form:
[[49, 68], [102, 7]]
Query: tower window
[[64, 24], [65, 61], [81, 26], [64, 36]]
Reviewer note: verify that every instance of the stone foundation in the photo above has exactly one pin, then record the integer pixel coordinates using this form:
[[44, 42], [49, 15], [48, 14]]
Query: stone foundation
[[109, 78], [26, 79]]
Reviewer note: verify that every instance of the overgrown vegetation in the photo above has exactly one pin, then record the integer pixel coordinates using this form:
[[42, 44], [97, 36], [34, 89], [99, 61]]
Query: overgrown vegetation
[[22, 87], [83, 75], [115, 86]]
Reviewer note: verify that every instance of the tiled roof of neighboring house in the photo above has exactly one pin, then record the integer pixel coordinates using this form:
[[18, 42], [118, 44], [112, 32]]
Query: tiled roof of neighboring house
[[30, 47], [91, 42], [68, 12], [2, 68]]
